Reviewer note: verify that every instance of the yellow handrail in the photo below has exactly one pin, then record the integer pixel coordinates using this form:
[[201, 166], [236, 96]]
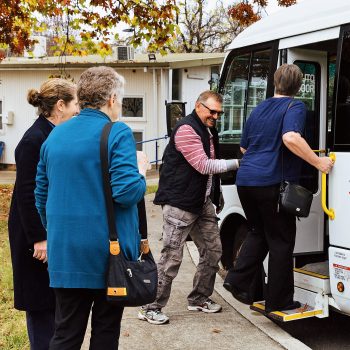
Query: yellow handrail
[[329, 212]]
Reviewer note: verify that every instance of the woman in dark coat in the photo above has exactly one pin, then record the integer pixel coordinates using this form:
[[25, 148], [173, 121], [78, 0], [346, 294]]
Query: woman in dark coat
[[56, 102]]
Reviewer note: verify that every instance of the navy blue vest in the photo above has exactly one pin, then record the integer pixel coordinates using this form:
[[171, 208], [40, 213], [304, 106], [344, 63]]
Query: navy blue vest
[[180, 185]]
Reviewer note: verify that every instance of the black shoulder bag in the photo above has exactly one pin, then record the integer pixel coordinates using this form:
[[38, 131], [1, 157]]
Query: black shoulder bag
[[129, 283], [294, 199]]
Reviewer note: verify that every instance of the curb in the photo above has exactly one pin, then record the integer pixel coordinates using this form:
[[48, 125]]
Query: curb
[[263, 323]]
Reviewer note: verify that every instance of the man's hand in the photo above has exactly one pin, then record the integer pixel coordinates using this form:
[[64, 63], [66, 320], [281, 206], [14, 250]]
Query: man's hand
[[221, 204], [40, 251]]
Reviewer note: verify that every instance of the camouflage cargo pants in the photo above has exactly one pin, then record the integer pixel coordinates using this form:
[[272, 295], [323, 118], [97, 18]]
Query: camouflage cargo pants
[[177, 225]]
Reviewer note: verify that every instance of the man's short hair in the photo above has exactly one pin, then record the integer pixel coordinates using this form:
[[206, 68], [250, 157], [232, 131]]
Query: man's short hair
[[205, 95], [288, 79]]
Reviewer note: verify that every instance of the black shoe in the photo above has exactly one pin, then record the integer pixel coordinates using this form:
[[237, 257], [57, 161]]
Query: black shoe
[[241, 296], [294, 305]]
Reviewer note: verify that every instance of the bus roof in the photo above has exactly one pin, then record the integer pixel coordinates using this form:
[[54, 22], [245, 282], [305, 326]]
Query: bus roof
[[304, 17]]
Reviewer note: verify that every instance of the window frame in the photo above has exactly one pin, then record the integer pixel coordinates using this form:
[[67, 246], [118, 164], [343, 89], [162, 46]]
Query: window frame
[[142, 132], [338, 147], [131, 119]]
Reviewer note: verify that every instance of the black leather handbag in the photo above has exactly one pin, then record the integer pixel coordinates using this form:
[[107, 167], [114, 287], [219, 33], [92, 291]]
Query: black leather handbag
[[295, 199], [129, 283]]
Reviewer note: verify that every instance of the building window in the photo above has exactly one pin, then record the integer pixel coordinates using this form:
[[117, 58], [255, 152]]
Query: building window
[[132, 107], [138, 136], [176, 88], [0, 114]]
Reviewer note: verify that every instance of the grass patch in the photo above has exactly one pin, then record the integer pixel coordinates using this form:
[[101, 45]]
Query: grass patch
[[13, 331]]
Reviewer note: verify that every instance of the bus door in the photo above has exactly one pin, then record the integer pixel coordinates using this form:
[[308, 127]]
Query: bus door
[[313, 92], [339, 179]]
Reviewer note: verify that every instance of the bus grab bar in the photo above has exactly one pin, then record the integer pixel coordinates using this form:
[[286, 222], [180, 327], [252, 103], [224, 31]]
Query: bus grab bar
[[330, 212]]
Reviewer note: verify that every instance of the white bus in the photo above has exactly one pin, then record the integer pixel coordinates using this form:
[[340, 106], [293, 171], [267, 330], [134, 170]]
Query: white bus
[[315, 35]]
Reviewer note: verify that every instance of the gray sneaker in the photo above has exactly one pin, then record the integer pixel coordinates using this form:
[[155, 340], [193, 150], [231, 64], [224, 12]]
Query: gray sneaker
[[153, 316], [208, 306]]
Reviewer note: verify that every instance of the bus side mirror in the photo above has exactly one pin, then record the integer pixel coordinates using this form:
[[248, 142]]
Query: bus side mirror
[[175, 110]]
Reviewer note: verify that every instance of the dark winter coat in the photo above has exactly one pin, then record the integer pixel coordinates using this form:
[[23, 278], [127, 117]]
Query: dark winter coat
[[30, 276]]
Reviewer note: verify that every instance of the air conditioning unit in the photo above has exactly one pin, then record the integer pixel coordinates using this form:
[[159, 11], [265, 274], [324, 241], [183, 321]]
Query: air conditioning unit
[[38, 49], [124, 53]]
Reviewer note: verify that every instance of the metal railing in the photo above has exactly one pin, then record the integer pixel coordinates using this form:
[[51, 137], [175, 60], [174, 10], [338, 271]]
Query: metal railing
[[156, 140]]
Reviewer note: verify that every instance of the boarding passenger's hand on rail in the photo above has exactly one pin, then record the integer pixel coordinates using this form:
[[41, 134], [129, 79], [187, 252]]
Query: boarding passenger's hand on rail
[[40, 251], [143, 162], [325, 164]]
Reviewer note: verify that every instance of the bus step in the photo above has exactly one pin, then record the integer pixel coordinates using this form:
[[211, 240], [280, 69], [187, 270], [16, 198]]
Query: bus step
[[310, 280], [302, 312]]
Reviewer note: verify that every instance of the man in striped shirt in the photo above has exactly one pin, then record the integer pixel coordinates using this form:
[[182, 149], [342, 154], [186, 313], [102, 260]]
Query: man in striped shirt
[[189, 184]]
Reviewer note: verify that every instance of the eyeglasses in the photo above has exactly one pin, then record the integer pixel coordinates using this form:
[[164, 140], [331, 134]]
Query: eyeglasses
[[212, 111]]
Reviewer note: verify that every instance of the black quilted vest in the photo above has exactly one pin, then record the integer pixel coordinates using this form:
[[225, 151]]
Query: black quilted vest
[[180, 185]]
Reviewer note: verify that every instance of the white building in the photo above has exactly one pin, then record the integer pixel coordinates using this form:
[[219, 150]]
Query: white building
[[149, 83]]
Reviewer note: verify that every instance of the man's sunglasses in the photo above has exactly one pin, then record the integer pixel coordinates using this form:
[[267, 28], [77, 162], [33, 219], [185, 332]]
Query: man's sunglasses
[[212, 111]]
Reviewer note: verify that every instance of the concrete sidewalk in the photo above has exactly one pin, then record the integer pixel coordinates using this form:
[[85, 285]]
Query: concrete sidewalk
[[236, 327], [187, 330]]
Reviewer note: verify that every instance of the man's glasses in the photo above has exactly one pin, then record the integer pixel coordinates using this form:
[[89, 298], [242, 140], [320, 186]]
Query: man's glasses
[[212, 111]]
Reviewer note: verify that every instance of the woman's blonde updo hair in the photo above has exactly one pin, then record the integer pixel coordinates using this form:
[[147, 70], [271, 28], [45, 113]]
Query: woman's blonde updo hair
[[50, 92], [97, 84]]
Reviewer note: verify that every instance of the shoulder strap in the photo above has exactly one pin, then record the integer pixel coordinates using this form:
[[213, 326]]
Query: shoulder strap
[[282, 146], [113, 235]]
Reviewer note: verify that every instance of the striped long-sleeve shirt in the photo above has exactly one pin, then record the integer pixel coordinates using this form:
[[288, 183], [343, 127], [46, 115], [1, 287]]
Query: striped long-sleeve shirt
[[189, 143]]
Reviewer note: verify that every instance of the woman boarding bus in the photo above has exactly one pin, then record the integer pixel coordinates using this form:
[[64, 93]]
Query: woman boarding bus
[[315, 36]]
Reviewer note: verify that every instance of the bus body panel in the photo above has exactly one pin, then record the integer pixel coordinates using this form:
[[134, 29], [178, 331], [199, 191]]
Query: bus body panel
[[339, 200], [339, 271]]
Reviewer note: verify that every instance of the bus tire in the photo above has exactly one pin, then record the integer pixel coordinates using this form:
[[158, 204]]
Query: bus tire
[[232, 233]]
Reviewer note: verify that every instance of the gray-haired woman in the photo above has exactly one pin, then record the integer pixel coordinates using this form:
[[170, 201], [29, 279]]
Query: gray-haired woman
[[73, 210]]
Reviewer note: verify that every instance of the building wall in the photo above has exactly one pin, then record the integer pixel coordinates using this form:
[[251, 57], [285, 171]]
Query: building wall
[[13, 92], [153, 85], [194, 81]]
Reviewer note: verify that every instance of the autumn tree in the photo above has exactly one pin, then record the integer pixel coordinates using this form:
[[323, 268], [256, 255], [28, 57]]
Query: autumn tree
[[246, 12], [203, 30], [95, 21]]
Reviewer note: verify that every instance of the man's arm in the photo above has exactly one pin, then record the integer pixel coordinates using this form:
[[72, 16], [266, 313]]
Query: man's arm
[[190, 145]]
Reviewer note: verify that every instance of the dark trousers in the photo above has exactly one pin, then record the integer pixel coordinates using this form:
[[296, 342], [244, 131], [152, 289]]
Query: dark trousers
[[72, 313], [40, 327], [269, 231]]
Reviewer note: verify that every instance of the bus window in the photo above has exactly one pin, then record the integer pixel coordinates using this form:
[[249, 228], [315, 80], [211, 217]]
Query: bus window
[[309, 94], [231, 122], [342, 114], [258, 79]]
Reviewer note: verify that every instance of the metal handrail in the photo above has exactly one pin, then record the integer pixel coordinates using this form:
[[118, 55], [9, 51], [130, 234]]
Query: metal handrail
[[330, 212], [156, 161]]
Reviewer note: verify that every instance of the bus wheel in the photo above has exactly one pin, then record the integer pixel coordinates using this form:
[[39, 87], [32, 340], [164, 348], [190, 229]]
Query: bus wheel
[[240, 236], [232, 234]]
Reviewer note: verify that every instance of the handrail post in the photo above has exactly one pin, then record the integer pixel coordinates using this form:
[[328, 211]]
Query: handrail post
[[330, 212]]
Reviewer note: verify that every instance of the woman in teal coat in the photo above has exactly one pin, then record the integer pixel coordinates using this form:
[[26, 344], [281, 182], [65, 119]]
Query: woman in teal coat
[[70, 200]]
